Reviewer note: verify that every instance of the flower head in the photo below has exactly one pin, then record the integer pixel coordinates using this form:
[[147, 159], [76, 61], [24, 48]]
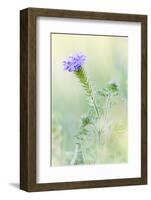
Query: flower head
[[113, 86], [74, 62]]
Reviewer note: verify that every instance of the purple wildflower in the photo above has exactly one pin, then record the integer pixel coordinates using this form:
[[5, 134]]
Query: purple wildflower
[[74, 62]]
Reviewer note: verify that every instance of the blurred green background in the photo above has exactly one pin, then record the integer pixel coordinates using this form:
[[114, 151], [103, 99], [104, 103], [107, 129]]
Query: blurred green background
[[107, 59]]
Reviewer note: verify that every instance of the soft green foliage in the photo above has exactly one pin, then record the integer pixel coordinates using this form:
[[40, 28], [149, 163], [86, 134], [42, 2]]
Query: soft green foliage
[[88, 123]]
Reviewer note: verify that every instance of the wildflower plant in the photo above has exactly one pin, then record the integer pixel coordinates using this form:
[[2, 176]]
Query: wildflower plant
[[94, 126]]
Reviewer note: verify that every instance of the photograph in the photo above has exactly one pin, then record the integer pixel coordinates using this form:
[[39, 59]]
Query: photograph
[[83, 99], [89, 99]]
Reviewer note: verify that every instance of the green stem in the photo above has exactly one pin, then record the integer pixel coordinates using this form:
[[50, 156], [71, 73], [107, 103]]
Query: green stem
[[78, 157], [95, 106], [106, 113], [107, 109], [81, 75], [96, 131]]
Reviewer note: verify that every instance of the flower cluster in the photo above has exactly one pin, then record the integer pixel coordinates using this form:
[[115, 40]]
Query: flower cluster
[[74, 62]]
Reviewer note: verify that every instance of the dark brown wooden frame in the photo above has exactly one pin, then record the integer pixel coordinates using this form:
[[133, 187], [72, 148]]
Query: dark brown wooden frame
[[28, 98]]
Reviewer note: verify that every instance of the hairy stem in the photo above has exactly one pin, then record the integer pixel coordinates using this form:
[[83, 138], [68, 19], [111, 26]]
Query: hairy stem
[[78, 157], [106, 113], [81, 75], [96, 131]]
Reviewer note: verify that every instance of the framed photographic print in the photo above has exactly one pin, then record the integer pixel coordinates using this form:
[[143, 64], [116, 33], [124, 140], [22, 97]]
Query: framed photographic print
[[83, 99]]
